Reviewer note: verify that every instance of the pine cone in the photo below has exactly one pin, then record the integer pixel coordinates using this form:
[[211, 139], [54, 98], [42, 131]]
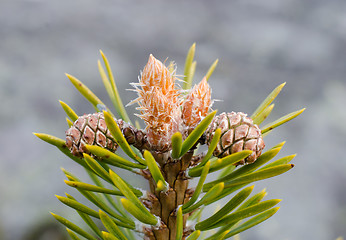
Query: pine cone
[[89, 129], [238, 132], [92, 129]]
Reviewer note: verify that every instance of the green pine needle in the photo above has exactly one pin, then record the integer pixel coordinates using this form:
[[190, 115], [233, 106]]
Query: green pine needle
[[241, 214], [279, 145], [92, 188], [254, 199], [154, 169], [95, 199], [196, 133], [180, 224], [211, 69], [139, 214], [281, 121], [110, 225], [73, 227], [129, 194], [253, 221], [260, 175], [268, 100], [210, 151], [177, 140], [77, 206], [194, 235], [161, 186], [85, 91], [112, 88], [108, 236], [189, 69], [97, 168], [87, 219], [69, 123], [232, 204], [196, 215], [222, 162], [72, 234], [70, 113], [112, 158], [208, 197], [60, 144], [193, 199], [264, 158], [263, 115], [284, 160], [120, 139]]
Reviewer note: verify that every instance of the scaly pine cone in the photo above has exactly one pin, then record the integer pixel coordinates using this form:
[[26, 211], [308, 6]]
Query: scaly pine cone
[[92, 129], [238, 132]]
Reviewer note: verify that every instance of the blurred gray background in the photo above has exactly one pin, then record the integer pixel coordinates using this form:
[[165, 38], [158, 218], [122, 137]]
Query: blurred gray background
[[260, 44]]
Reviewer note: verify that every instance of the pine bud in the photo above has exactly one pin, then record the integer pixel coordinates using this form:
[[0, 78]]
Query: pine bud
[[159, 104], [197, 104]]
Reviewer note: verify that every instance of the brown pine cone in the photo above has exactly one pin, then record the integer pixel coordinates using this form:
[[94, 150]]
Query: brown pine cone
[[238, 132], [134, 136], [92, 129], [89, 129]]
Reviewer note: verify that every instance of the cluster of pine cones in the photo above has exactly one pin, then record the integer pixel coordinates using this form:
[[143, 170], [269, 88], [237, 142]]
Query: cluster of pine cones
[[238, 132]]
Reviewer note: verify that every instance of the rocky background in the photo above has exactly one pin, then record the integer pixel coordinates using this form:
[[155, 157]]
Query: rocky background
[[260, 44]]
